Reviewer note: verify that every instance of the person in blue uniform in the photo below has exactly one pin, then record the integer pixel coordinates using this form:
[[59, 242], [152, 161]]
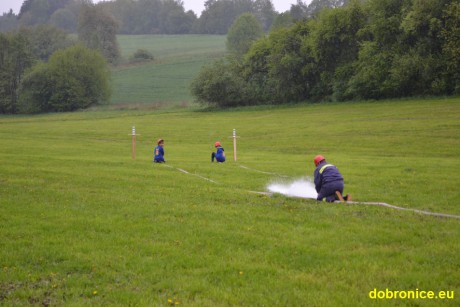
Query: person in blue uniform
[[219, 155], [159, 152], [328, 180]]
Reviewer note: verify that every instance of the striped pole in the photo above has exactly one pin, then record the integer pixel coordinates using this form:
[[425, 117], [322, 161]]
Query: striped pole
[[134, 143]]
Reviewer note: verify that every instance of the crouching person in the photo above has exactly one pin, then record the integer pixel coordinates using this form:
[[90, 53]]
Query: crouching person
[[219, 155], [159, 152], [328, 181]]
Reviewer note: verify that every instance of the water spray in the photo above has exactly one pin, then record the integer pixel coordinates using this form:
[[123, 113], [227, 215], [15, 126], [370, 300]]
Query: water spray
[[303, 188]]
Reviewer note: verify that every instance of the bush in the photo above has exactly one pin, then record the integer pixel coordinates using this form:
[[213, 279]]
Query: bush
[[142, 55], [220, 85], [75, 78], [35, 90]]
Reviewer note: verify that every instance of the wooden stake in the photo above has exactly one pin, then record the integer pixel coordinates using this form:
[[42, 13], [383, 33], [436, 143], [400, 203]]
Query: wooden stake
[[134, 143], [234, 145]]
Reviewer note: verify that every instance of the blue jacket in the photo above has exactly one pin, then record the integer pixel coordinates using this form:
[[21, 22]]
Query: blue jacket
[[220, 156], [326, 173], [159, 153]]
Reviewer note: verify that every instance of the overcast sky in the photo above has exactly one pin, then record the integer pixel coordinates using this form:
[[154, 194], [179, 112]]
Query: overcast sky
[[195, 5]]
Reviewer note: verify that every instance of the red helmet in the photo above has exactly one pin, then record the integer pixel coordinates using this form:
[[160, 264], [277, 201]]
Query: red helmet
[[318, 159], [217, 144]]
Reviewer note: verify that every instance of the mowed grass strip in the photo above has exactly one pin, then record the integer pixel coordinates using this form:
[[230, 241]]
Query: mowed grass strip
[[82, 223]]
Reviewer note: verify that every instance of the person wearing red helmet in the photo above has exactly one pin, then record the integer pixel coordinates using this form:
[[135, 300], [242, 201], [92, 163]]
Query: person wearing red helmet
[[219, 155], [328, 181]]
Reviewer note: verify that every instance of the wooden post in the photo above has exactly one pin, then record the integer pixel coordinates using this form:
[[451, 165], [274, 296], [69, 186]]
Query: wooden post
[[234, 145], [134, 143]]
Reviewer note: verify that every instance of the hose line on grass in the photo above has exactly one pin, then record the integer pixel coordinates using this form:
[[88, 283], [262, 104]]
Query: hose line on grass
[[403, 209], [443, 215]]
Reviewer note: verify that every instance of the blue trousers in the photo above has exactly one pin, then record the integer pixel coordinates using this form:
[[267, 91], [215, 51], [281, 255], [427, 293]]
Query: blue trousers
[[218, 158], [327, 191]]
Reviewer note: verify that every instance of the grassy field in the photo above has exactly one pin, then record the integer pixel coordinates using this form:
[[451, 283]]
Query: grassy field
[[164, 81], [81, 223]]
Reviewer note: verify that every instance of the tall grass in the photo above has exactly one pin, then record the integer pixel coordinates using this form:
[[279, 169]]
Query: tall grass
[[83, 224]]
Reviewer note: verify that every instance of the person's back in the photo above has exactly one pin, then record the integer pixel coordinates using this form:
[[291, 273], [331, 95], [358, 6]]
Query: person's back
[[327, 173], [220, 154], [328, 180]]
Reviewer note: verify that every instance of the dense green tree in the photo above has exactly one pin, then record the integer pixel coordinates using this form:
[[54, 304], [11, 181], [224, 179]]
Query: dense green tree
[[245, 30], [290, 56], [256, 72], [34, 12], [412, 74], [74, 78], [219, 15], [316, 6], [335, 42], [265, 13], [124, 11], [382, 37], [451, 48], [423, 23], [144, 16], [370, 72], [19, 50], [151, 16], [408, 35], [97, 30], [219, 84], [299, 10], [64, 19], [384, 24], [15, 57], [36, 90], [45, 40], [81, 79], [283, 20], [8, 21], [370, 49], [173, 19]]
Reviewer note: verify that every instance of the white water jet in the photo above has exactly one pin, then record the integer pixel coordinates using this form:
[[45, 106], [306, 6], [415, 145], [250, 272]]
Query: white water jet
[[303, 187]]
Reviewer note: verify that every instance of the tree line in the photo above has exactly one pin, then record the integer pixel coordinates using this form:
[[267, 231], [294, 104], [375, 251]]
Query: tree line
[[43, 69], [372, 49], [159, 16], [330, 50]]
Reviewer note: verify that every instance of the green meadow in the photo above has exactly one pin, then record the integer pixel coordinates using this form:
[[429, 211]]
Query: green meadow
[[82, 223], [164, 81]]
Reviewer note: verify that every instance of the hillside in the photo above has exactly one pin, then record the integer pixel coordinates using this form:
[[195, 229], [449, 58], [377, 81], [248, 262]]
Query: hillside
[[164, 81]]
